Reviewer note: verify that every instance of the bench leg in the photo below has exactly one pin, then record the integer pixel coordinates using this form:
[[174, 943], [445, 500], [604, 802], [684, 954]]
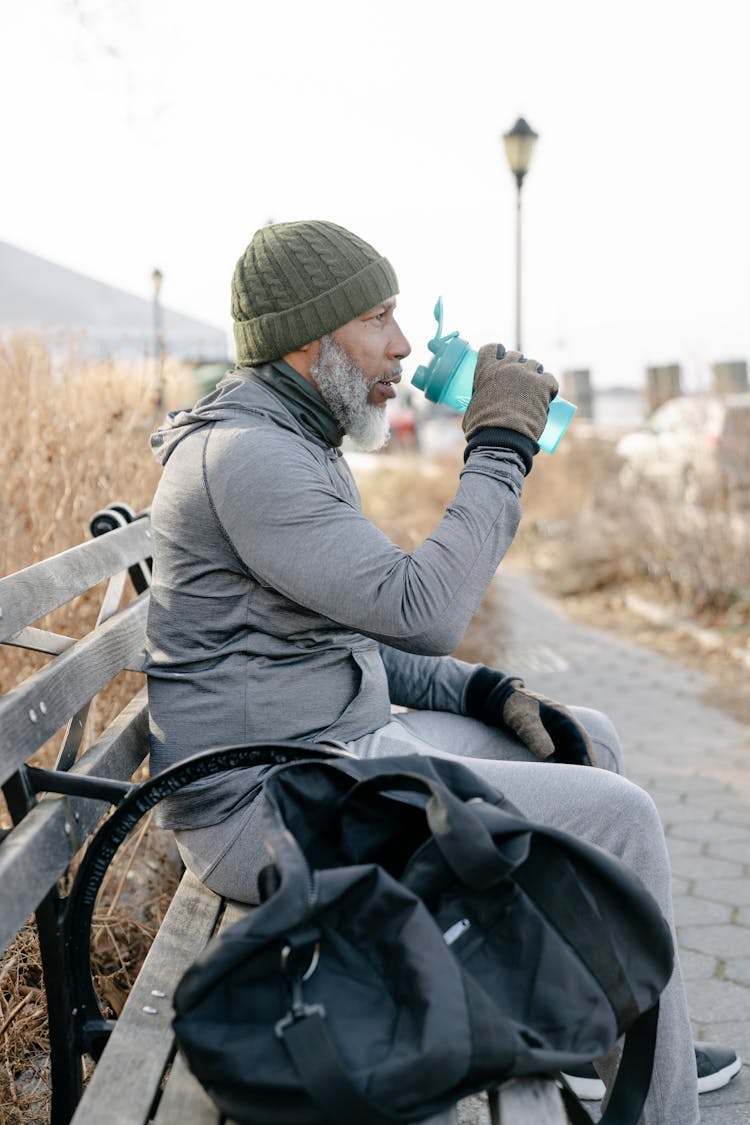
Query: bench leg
[[65, 1063]]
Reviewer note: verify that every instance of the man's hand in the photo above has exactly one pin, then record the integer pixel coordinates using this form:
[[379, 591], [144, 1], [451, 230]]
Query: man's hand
[[547, 728], [510, 392]]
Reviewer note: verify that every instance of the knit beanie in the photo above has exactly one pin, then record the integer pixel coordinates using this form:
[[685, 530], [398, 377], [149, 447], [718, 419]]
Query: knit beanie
[[298, 281]]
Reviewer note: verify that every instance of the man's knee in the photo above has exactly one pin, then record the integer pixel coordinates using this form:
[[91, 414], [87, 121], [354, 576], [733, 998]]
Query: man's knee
[[606, 742]]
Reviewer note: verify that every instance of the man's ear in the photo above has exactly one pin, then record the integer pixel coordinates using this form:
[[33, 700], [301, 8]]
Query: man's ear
[[303, 358]]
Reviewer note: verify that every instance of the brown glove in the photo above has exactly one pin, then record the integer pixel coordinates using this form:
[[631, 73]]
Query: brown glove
[[510, 393], [546, 727]]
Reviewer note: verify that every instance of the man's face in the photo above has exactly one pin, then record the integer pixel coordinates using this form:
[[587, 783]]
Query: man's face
[[356, 369]]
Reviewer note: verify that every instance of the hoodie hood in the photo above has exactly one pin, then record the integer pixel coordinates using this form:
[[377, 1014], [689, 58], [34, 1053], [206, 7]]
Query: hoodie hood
[[247, 391]]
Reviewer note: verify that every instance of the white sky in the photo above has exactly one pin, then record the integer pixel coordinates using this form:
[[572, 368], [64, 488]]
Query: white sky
[[142, 133]]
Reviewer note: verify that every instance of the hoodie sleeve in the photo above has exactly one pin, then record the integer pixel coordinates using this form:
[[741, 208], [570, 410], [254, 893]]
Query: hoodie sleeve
[[278, 505], [427, 683]]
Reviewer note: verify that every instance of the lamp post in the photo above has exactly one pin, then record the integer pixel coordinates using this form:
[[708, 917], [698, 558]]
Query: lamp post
[[519, 146], [156, 279]]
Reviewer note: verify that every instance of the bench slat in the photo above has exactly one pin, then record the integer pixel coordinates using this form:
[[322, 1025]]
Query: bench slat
[[31, 712], [184, 1099], [40, 640], [128, 1076], [527, 1101], [36, 853], [46, 585]]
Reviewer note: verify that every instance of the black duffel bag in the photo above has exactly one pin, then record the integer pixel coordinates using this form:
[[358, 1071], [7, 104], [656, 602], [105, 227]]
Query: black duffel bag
[[421, 941]]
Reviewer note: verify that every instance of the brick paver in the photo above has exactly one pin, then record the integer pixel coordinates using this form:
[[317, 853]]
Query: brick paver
[[695, 761]]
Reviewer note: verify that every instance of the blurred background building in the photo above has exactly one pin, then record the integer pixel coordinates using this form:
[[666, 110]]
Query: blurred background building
[[40, 296]]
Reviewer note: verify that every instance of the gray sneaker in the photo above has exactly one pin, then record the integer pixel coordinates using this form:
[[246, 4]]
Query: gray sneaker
[[716, 1067]]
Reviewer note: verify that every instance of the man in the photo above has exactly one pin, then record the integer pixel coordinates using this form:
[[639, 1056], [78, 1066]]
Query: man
[[279, 611]]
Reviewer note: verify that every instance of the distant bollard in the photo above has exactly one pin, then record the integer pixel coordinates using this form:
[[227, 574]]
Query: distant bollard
[[576, 387], [730, 377], [662, 383]]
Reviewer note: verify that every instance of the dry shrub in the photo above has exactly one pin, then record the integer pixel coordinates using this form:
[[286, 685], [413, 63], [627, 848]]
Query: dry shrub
[[572, 527], [586, 532], [24, 1090], [76, 439]]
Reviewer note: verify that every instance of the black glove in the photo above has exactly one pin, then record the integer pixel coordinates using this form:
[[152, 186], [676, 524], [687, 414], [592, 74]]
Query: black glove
[[547, 728], [509, 402]]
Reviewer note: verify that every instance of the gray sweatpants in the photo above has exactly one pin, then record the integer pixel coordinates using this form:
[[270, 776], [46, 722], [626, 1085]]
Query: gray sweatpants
[[598, 805]]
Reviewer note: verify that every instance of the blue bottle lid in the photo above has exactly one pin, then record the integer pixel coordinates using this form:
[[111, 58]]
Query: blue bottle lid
[[449, 351]]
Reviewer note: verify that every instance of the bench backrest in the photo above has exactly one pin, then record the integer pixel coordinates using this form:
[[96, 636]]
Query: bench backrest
[[48, 833], [53, 811]]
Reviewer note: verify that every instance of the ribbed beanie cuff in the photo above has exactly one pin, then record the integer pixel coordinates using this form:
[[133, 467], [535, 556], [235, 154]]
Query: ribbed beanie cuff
[[297, 282]]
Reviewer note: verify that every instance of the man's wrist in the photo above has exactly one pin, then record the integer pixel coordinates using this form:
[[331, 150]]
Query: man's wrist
[[499, 437], [487, 692]]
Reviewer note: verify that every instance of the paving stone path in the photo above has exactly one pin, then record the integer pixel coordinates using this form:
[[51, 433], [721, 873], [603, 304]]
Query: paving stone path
[[694, 760]]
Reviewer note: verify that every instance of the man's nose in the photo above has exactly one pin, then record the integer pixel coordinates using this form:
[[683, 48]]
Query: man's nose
[[400, 346]]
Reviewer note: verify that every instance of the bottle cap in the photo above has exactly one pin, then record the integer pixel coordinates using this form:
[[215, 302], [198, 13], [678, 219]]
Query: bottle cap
[[449, 352]]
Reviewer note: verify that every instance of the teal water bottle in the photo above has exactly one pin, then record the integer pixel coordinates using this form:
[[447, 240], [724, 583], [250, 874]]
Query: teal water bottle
[[449, 380]]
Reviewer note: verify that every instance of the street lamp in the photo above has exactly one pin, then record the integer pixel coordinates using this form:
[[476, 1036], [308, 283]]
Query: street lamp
[[156, 279], [519, 146]]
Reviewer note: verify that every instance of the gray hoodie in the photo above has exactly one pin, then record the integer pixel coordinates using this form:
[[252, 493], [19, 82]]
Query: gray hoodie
[[278, 611]]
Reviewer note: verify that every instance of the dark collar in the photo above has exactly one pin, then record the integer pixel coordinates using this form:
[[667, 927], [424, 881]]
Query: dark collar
[[301, 400]]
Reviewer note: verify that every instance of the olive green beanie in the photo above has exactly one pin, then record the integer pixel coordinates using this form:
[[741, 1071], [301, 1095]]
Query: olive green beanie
[[297, 282]]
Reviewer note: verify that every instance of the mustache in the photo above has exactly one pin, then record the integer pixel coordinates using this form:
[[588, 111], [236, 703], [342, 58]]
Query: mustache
[[394, 376]]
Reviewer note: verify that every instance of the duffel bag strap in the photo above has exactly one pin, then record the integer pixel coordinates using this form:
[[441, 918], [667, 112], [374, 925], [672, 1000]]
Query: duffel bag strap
[[576, 918], [465, 843], [633, 1077], [320, 1070]]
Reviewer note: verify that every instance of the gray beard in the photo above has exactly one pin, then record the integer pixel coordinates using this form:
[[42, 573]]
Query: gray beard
[[344, 388]]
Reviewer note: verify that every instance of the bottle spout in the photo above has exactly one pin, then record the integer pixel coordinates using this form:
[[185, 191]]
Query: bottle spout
[[438, 341], [437, 312]]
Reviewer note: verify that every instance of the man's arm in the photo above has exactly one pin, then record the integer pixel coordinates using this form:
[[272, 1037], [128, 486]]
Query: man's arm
[[287, 521], [427, 683], [442, 683]]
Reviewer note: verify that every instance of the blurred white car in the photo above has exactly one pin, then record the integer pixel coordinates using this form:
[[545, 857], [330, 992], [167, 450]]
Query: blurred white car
[[694, 448]]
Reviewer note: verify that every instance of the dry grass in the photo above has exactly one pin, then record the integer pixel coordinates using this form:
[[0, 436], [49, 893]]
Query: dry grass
[[76, 438], [585, 533]]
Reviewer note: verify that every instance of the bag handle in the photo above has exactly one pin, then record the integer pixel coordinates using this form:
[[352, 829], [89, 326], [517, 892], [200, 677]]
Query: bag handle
[[634, 1072], [470, 851], [632, 1080], [463, 839]]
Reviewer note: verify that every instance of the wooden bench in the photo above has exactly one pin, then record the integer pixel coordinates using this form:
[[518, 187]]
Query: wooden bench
[[138, 1077]]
